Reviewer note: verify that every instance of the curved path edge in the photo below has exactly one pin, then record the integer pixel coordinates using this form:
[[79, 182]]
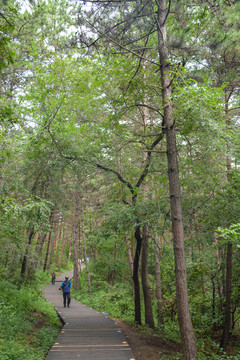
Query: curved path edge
[[87, 334]]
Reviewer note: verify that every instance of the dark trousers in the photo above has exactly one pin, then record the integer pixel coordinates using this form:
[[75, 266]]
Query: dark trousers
[[66, 299]]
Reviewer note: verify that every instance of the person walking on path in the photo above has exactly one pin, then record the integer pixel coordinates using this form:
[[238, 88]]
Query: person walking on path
[[66, 284], [53, 277]]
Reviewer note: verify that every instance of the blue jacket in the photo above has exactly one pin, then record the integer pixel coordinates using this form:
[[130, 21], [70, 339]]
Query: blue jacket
[[66, 286]]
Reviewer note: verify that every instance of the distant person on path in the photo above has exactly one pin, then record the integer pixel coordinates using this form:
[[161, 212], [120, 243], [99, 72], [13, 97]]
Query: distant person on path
[[66, 284], [53, 278]]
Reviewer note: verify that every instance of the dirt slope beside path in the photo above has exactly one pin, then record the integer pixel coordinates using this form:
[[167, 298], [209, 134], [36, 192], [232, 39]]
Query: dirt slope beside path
[[146, 346]]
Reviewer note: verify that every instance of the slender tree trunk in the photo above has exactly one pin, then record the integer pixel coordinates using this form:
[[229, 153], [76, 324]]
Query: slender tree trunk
[[145, 238], [184, 319], [227, 320], [213, 302], [48, 243], [158, 280], [228, 283], [185, 323], [76, 280], [223, 270], [56, 226], [85, 254], [58, 240], [137, 298], [190, 253], [38, 249], [47, 251], [70, 250], [201, 268], [112, 273], [25, 258], [130, 259], [63, 247], [129, 254], [219, 285], [145, 283]]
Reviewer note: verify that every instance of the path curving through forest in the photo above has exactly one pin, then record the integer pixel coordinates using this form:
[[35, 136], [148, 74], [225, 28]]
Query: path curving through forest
[[87, 334]]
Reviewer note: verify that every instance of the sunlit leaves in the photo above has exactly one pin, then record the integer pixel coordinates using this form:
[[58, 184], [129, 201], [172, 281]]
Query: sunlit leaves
[[231, 234]]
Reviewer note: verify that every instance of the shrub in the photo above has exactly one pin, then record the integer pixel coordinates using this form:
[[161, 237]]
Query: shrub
[[28, 323]]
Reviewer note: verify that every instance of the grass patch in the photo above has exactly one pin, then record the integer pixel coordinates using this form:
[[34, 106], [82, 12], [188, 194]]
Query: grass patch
[[29, 324]]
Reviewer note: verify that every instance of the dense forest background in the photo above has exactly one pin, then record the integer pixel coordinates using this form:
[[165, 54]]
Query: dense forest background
[[119, 128]]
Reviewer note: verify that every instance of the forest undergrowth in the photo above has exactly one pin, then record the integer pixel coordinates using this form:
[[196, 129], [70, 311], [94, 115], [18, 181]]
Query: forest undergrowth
[[29, 324], [164, 342]]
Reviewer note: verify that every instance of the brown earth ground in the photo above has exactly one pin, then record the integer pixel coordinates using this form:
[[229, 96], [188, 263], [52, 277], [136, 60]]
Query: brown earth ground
[[147, 346]]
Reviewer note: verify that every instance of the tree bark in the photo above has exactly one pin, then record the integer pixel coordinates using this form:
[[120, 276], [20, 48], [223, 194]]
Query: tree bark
[[58, 240], [48, 244], [38, 249], [129, 254], [56, 226], [184, 319], [219, 285], [76, 280], [145, 283], [85, 254], [228, 283], [65, 236], [47, 251], [24, 262], [227, 320], [201, 268], [158, 280], [213, 302], [137, 298]]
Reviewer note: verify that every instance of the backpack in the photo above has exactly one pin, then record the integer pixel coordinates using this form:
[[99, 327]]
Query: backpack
[[66, 285]]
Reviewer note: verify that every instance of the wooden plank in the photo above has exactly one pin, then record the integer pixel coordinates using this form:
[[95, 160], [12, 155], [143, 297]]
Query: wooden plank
[[87, 334]]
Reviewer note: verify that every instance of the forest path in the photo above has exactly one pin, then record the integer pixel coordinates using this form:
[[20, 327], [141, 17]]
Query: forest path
[[87, 334]]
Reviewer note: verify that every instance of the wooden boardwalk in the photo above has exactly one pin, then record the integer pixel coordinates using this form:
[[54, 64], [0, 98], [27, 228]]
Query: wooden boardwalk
[[87, 334]]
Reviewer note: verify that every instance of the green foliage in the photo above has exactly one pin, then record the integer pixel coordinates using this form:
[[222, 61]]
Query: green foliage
[[231, 234], [64, 107], [6, 28], [29, 213], [28, 324], [115, 299], [12, 350]]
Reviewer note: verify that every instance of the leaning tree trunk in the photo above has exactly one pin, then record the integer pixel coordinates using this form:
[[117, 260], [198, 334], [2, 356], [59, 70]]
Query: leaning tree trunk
[[184, 319], [48, 243], [145, 283]]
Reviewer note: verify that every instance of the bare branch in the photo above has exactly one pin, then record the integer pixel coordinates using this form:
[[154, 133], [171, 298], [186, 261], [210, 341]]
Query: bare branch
[[104, 35], [148, 160], [117, 174]]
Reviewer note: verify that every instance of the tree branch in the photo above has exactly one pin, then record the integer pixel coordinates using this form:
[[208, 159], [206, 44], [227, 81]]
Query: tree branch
[[148, 160], [117, 174], [104, 35]]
